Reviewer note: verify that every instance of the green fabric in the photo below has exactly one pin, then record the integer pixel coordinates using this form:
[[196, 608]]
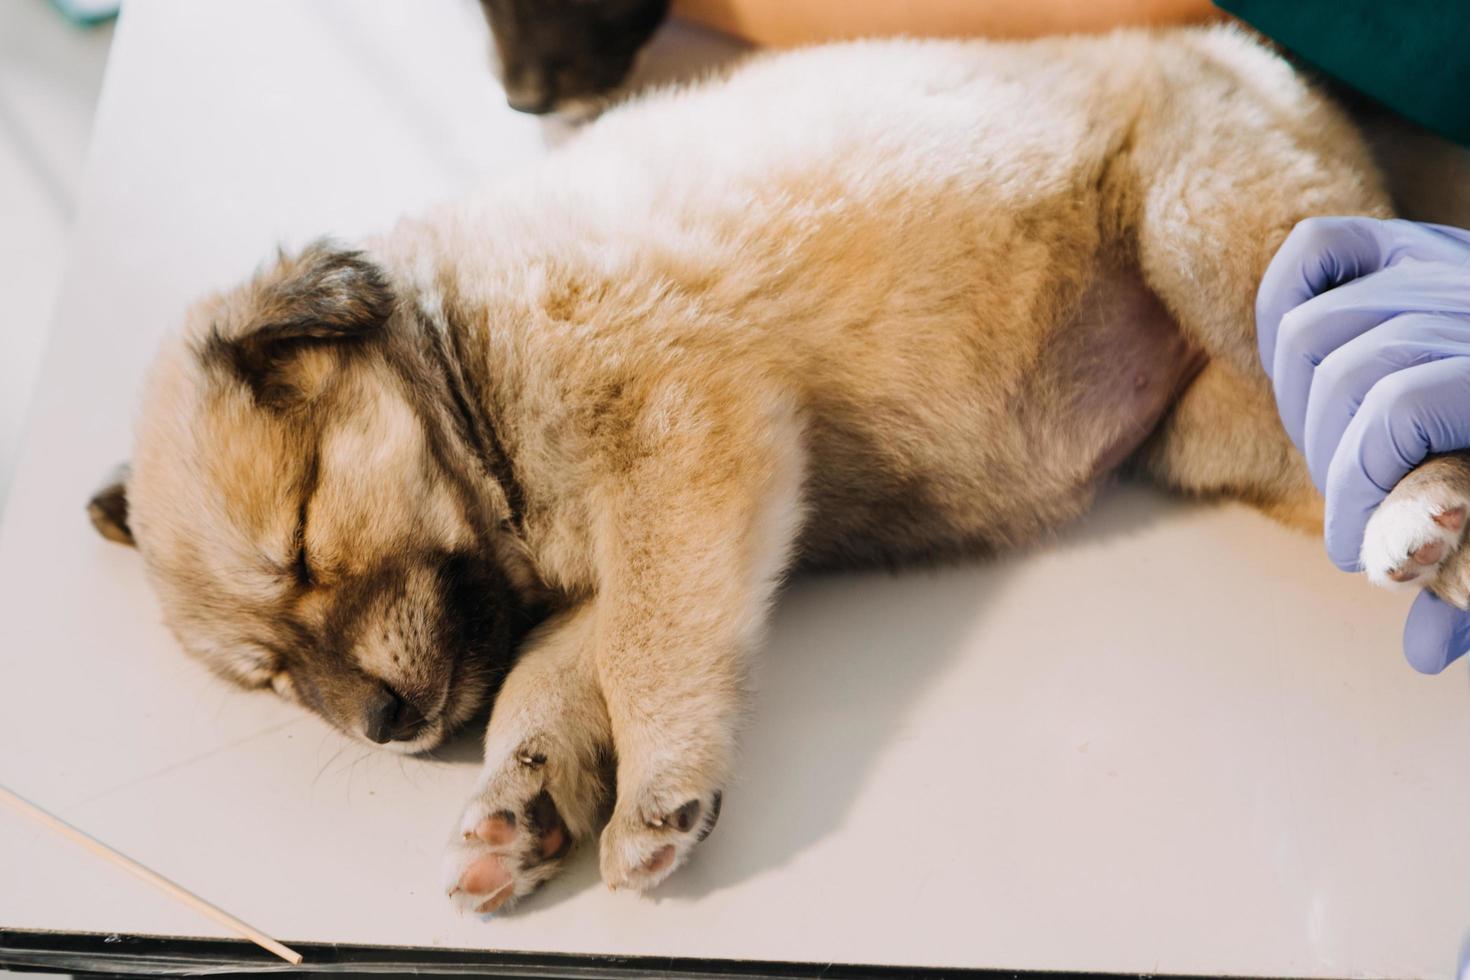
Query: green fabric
[[1411, 55]]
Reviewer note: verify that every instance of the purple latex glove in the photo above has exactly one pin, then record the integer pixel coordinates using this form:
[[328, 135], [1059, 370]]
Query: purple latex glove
[[1364, 327]]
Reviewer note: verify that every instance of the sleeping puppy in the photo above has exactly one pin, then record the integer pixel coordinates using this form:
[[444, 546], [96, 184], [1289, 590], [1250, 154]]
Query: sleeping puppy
[[555, 54], [559, 443]]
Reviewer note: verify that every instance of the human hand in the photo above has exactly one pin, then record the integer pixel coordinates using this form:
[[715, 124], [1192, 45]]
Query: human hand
[[1364, 329]]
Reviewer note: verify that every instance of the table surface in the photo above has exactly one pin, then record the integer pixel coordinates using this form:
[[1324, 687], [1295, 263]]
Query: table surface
[[1073, 758]]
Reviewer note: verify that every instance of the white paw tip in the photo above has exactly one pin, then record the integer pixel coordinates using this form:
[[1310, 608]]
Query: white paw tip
[[1400, 528]]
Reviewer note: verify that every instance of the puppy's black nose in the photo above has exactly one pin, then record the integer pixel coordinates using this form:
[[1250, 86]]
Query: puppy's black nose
[[388, 717], [537, 102], [530, 88]]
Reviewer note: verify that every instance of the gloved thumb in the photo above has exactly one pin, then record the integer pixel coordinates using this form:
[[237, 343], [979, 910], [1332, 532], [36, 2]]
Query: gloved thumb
[[1436, 634]]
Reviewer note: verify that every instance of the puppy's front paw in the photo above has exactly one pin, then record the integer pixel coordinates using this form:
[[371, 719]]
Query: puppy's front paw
[[518, 827], [651, 834]]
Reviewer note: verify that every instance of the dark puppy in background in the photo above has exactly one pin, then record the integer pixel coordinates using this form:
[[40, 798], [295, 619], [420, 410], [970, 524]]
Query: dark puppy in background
[[555, 53]]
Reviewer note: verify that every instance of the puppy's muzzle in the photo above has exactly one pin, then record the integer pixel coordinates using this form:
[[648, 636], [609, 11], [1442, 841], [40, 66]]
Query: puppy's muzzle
[[389, 717]]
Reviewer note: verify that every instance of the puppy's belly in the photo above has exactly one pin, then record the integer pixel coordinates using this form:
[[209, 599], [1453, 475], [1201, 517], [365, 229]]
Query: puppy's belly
[[908, 482], [1114, 370]]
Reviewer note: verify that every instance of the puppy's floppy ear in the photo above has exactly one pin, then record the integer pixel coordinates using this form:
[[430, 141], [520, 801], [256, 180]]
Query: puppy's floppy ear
[[108, 508], [325, 295]]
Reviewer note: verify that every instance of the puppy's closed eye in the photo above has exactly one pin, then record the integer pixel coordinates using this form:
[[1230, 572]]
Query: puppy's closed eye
[[301, 566]]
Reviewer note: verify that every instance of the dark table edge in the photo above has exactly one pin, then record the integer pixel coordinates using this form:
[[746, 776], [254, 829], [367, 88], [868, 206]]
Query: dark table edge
[[127, 955]]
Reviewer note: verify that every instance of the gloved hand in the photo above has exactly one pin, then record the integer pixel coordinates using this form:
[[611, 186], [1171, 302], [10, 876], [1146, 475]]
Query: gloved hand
[[1364, 329]]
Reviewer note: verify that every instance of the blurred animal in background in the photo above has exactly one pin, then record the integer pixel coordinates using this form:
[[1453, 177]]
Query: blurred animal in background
[[557, 55]]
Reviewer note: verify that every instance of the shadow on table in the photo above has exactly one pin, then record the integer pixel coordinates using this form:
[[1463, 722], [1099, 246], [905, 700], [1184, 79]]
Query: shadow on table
[[466, 747], [847, 658]]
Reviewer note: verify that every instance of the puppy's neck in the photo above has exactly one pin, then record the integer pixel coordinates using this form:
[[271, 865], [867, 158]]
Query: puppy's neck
[[439, 350]]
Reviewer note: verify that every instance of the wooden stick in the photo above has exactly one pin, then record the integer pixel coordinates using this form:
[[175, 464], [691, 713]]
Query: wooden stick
[[152, 877]]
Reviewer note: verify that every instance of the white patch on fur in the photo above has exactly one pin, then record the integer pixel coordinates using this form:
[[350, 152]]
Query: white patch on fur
[[1398, 528], [776, 530]]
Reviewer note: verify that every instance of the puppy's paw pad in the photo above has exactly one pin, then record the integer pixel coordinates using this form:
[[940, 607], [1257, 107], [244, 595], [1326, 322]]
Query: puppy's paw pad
[[512, 837], [681, 819], [662, 860], [643, 846], [549, 830], [1452, 519], [499, 828], [1408, 538], [485, 883]]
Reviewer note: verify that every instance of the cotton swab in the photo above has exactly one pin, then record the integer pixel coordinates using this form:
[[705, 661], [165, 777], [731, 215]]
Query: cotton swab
[[153, 878]]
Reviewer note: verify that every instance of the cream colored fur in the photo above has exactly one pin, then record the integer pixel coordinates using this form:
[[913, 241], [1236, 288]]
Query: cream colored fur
[[874, 302]]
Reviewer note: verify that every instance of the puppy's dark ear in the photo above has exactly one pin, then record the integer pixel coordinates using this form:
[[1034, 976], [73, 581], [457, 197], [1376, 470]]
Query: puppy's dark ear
[[108, 508], [325, 295]]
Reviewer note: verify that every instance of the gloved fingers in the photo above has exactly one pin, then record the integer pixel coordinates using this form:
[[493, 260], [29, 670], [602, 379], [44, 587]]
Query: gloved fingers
[[1322, 253], [1435, 635], [1313, 330], [1427, 242], [1405, 417], [1344, 378], [1317, 255]]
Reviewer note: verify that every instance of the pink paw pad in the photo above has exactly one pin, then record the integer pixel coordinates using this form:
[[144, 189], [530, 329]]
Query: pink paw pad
[[497, 830], [662, 858], [506, 854], [1429, 553], [1420, 559], [1452, 519], [487, 877]]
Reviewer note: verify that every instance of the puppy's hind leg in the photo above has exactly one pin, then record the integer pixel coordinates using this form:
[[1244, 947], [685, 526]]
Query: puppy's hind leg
[[1223, 437], [1230, 152], [1415, 536]]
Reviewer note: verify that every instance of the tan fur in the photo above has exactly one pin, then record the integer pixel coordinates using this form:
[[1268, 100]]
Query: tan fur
[[877, 302]]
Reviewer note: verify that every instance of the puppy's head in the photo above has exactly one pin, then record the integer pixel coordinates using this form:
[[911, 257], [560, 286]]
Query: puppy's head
[[308, 506], [555, 52]]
